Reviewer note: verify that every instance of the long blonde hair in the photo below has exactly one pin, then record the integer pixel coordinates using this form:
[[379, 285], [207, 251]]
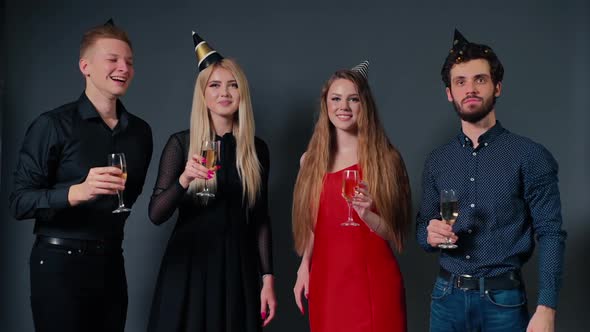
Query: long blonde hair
[[201, 129], [378, 160]]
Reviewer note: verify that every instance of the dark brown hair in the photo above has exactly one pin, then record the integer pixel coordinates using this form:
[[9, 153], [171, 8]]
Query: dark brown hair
[[473, 51]]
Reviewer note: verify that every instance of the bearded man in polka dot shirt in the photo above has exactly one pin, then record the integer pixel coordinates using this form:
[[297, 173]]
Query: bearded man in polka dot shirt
[[507, 194]]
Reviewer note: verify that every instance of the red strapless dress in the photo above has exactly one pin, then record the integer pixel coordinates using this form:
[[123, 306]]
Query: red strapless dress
[[355, 281]]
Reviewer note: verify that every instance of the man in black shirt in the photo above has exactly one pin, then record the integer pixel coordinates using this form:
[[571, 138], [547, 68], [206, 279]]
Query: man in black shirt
[[62, 181]]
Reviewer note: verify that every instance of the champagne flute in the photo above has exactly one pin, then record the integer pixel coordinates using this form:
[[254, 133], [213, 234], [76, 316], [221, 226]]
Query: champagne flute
[[210, 152], [449, 211], [118, 160], [350, 181]]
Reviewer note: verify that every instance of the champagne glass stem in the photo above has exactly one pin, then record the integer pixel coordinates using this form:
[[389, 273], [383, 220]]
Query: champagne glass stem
[[120, 195], [349, 211]]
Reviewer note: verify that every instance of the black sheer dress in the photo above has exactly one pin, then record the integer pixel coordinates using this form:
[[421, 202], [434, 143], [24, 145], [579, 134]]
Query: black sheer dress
[[209, 279]]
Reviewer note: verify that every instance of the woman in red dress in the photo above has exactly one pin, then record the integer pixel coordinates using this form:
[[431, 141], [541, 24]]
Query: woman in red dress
[[349, 274]]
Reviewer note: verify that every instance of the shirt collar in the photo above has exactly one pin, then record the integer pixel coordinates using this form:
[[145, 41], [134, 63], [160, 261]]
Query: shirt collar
[[226, 137], [486, 137], [88, 111]]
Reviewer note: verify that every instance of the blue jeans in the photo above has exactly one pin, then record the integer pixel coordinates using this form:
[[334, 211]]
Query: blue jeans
[[455, 309]]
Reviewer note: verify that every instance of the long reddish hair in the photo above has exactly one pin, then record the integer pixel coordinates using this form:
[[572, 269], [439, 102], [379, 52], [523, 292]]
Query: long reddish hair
[[378, 160]]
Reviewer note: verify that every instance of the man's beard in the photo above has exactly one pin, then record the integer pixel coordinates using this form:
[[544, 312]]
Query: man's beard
[[474, 116]]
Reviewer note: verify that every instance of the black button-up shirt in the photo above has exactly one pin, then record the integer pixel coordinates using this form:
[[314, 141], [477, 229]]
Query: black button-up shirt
[[508, 193], [59, 148]]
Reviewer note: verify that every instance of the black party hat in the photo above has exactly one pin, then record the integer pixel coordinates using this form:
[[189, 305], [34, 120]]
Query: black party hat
[[362, 68], [459, 41], [460, 44], [110, 22], [206, 55]]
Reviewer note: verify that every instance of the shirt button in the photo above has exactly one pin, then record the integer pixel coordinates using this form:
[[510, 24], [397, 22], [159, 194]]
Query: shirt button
[[69, 252], [41, 262], [472, 205], [466, 139], [469, 231], [475, 153], [485, 144], [472, 179], [468, 257]]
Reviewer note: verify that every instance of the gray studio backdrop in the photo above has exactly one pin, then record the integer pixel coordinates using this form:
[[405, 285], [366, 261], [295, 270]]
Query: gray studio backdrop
[[288, 50]]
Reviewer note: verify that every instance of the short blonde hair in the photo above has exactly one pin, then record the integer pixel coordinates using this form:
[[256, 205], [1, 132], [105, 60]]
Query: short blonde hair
[[101, 32]]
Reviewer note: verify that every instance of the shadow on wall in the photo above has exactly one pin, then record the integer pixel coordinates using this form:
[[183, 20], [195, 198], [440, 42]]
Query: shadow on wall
[[2, 84], [286, 148]]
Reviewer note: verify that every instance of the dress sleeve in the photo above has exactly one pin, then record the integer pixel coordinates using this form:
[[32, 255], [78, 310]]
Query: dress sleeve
[[261, 216], [168, 192], [35, 194]]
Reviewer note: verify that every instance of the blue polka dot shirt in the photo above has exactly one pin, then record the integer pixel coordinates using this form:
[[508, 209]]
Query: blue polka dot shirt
[[508, 197]]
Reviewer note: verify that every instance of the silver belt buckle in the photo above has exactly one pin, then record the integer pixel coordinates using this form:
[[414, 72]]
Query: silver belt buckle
[[459, 280]]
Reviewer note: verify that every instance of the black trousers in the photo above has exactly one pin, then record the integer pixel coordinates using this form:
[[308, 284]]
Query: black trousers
[[73, 290]]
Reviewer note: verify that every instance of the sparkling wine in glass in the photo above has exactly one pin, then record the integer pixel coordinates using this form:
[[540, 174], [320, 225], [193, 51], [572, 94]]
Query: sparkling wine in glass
[[210, 152], [350, 181], [449, 211], [118, 160]]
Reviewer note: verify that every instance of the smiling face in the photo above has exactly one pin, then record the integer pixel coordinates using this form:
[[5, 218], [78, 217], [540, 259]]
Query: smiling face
[[344, 104], [222, 95], [108, 67], [472, 90]]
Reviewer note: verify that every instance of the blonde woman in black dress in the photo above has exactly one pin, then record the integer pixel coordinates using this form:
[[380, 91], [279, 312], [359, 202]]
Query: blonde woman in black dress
[[216, 274]]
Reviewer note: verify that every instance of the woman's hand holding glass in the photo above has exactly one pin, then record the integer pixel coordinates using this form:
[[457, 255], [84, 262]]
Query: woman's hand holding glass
[[350, 181], [362, 202], [195, 169], [210, 155]]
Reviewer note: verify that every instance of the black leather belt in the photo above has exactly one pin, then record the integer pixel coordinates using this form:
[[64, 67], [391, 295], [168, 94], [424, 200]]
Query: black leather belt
[[81, 246], [508, 280]]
